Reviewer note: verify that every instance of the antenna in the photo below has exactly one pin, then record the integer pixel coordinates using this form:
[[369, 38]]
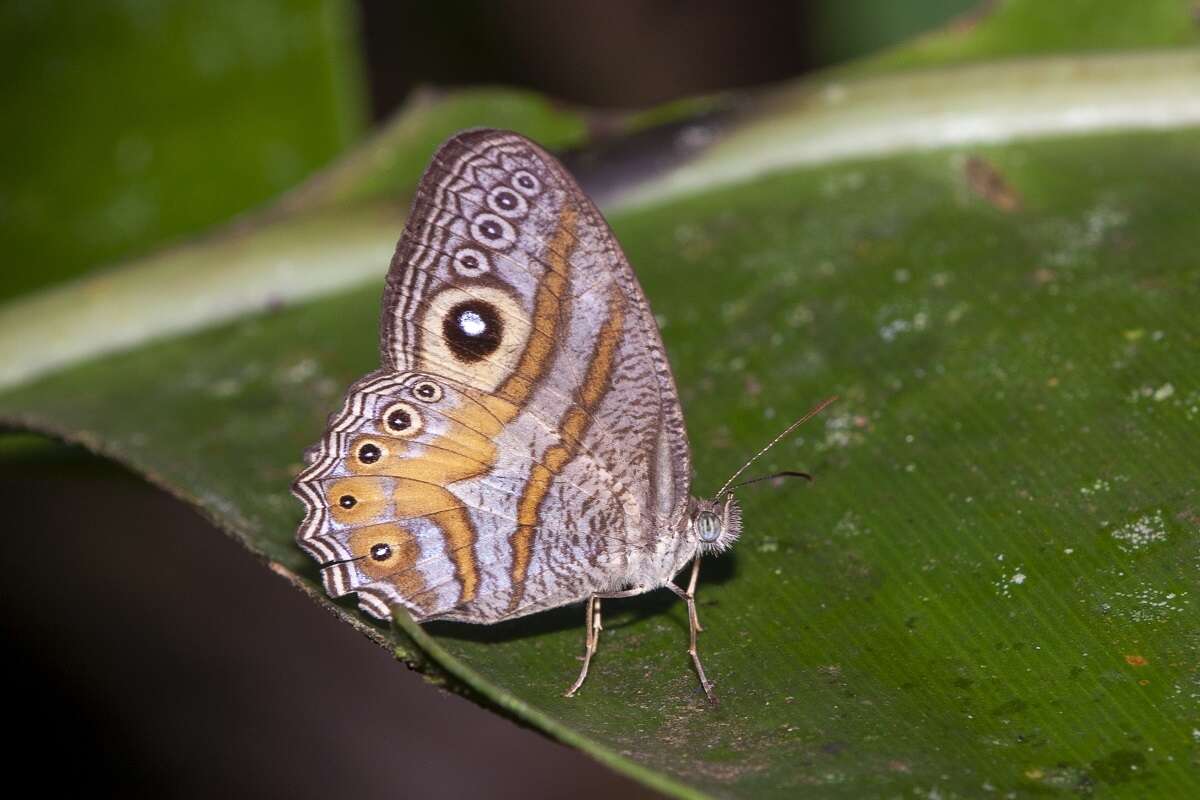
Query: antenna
[[787, 473], [816, 410]]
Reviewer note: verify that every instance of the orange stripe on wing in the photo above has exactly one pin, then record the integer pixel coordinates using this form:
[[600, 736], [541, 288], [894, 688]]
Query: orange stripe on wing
[[572, 427], [547, 315], [460, 535]]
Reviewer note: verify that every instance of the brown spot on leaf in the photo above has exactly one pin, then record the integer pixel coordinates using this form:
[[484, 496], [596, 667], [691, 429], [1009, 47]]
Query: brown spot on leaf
[[967, 21], [1043, 276], [1136, 661], [986, 181], [1189, 515]]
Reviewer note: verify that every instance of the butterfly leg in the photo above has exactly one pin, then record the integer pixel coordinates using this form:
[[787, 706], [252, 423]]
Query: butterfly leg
[[593, 632], [689, 597], [691, 590], [591, 639]]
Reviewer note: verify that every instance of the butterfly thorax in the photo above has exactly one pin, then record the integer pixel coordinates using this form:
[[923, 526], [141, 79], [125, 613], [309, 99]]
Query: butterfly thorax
[[708, 526]]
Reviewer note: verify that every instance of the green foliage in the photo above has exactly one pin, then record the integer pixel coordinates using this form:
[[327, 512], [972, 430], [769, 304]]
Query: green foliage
[[1014, 28], [853, 28], [130, 124]]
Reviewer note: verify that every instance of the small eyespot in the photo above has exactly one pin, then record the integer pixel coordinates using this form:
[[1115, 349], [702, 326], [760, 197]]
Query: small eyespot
[[369, 453], [507, 203], [401, 419], [381, 551], [526, 183], [471, 263], [427, 391], [347, 501], [493, 231]]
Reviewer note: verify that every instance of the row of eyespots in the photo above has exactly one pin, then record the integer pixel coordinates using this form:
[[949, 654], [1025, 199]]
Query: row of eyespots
[[494, 231], [401, 419]]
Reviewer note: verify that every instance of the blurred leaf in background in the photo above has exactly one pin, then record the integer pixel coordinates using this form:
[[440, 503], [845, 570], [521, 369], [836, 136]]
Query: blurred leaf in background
[[130, 124], [851, 28]]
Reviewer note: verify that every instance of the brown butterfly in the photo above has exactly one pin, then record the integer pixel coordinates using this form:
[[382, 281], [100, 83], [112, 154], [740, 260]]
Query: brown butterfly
[[522, 446]]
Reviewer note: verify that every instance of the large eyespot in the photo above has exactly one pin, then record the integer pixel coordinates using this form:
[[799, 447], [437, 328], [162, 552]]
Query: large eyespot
[[507, 203], [526, 183], [427, 391], [493, 231], [471, 263], [482, 328], [381, 551], [473, 330], [401, 419], [369, 453], [347, 501]]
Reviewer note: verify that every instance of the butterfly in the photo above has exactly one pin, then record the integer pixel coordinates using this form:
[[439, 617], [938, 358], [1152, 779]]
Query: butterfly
[[522, 446]]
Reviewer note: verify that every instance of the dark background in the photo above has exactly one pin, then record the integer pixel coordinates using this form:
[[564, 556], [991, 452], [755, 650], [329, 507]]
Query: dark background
[[129, 673]]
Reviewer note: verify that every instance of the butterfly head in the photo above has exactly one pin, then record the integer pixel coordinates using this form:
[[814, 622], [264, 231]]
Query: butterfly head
[[716, 524]]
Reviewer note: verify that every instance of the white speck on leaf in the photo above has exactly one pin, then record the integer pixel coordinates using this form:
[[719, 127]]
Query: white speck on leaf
[[1142, 532]]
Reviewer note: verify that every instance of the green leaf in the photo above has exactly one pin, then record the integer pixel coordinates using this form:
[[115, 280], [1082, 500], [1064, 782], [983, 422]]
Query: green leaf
[[132, 124], [992, 585], [1028, 28]]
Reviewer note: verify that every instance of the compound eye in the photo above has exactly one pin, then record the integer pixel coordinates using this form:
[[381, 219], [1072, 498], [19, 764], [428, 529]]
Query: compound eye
[[708, 527]]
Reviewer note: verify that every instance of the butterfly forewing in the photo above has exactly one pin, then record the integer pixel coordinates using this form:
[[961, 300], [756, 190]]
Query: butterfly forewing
[[523, 444]]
